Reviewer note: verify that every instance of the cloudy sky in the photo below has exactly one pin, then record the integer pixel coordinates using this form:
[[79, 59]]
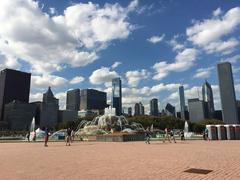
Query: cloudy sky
[[153, 45]]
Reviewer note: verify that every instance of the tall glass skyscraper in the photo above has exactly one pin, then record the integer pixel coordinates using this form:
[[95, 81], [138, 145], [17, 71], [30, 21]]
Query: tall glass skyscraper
[[154, 107], [207, 96], [182, 101], [117, 95], [227, 93]]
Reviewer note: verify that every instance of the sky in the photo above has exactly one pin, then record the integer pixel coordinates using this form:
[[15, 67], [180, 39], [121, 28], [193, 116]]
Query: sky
[[153, 45]]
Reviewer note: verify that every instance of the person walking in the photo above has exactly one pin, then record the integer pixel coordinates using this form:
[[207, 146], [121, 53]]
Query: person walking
[[72, 135], [182, 135], [28, 136], [46, 135], [166, 136], [172, 135], [147, 136], [68, 137], [206, 134], [34, 136]]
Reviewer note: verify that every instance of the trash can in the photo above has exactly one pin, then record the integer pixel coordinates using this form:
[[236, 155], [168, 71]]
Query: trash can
[[212, 132], [237, 131], [230, 132], [221, 132]]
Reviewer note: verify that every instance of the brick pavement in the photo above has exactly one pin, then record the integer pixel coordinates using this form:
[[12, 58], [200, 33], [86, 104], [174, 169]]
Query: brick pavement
[[129, 160]]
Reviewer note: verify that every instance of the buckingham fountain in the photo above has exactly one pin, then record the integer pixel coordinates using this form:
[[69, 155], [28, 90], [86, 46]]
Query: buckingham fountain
[[109, 127]]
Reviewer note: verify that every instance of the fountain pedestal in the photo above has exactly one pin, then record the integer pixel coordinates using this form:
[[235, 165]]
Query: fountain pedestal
[[120, 137]]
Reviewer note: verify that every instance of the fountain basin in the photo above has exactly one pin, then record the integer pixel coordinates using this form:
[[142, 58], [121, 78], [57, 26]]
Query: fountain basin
[[121, 137]]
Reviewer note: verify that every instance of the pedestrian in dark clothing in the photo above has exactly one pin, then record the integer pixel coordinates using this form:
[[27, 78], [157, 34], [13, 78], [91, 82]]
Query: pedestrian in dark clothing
[[68, 137], [28, 136], [182, 135], [46, 135], [147, 136]]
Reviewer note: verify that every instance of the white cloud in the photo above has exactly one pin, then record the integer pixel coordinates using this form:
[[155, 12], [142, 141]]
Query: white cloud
[[62, 99], [45, 81], [209, 33], [116, 64], [203, 72], [183, 61], [175, 45], [133, 5], [217, 12], [50, 43], [9, 62], [165, 87], [52, 11], [76, 80], [102, 75], [224, 47], [156, 39], [237, 88], [232, 60], [35, 97], [134, 77]]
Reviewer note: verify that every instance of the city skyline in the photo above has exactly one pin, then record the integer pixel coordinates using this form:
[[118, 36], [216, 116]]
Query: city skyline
[[152, 55]]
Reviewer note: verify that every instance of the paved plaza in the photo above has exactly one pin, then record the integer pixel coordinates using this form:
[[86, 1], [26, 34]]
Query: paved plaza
[[129, 160]]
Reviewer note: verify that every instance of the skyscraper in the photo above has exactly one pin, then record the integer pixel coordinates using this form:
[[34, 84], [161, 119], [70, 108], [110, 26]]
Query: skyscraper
[[170, 110], [73, 100], [197, 109], [91, 99], [49, 110], [117, 95], [142, 109], [207, 96], [137, 109], [130, 111], [227, 93], [14, 85], [182, 101], [154, 107]]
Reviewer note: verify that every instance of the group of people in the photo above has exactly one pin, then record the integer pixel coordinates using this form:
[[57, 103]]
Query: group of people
[[69, 136], [168, 135]]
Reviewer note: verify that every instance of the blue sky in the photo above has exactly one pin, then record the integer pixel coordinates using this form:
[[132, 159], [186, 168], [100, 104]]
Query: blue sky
[[154, 46]]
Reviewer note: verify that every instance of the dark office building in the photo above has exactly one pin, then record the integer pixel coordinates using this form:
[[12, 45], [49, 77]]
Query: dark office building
[[73, 100], [197, 109], [207, 95], [67, 115], [238, 109], [170, 110], [218, 115], [91, 99], [227, 93], [142, 109], [14, 85], [137, 109], [117, 95], [130, 111], [19, 115], [154, 107]]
